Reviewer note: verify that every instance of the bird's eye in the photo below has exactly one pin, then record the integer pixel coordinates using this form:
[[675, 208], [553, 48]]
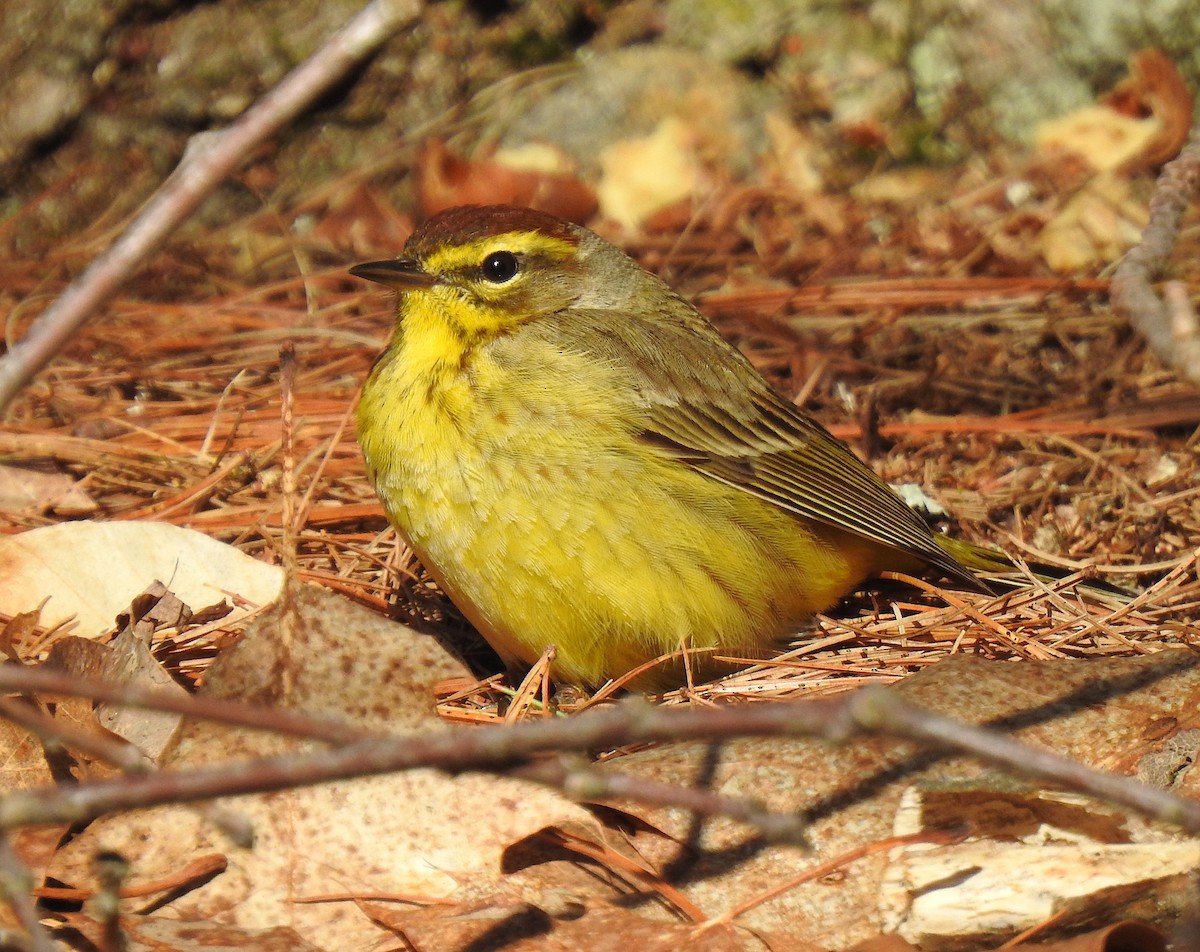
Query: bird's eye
[[500, 267]]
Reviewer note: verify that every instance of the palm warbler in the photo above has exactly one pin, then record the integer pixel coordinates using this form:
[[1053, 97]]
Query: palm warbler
[[580, 459]]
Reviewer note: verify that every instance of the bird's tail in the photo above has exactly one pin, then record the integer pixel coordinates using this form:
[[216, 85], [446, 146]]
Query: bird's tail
[[1004, 573]]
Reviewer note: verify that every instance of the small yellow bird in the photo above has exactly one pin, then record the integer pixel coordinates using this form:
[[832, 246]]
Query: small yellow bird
[[580, 459]]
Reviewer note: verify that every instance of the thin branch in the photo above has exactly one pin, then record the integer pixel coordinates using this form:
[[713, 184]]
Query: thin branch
[[503, 747], [51, 732], [584, 782], [206, 164], [1170, 327], [25, 680], [198, 870]]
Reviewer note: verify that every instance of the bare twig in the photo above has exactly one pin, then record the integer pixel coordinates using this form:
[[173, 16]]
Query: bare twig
[[14, 678], [101, 746], [504, 747], [1170, 327], [204, 167], [624, 867], [584, 782], [198, 870]]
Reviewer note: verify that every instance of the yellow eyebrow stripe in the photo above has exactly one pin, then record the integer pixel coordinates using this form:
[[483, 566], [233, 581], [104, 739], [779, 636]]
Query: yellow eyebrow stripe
[[470, 254]]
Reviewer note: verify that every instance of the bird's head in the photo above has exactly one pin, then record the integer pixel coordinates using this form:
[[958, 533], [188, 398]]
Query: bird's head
[[488, 269]]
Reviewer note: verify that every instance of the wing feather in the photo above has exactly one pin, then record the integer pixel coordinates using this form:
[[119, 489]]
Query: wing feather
[[703, 404]]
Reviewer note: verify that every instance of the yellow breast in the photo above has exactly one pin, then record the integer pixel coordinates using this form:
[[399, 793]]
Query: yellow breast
[[514, 471]]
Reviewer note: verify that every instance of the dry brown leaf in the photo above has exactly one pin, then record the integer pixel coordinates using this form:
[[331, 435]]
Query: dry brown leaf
[[18, 633], [83, 657], [23, 766], [521, 927], [445, 180], [419, 832], [77, 714], [156, 934], [92, 570], [25, 490], [129, 661], [1154, 86], [22, 763], [1118, 937]]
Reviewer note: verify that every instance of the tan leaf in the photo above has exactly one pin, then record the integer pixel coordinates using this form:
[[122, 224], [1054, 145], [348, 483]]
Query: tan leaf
[[1102, 137], [129, 661], [642, 176], [93, 570], [1096, 225], [23, 766], [31, 491]]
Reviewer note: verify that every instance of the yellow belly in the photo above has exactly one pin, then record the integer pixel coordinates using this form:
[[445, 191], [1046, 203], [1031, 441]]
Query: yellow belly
[[548, 523]]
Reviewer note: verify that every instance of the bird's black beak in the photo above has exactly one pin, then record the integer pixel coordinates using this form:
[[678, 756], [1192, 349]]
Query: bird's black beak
[[403, 274]]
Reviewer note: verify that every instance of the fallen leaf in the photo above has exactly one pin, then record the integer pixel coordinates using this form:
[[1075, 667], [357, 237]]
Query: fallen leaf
[[445, 180], [73, 655], [642, 176], [1102, 137], [156, 934], [128, 661], [19, 632], [1096, 226], [25, 490], [1154, 86], [93, 570], [23, 766]]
